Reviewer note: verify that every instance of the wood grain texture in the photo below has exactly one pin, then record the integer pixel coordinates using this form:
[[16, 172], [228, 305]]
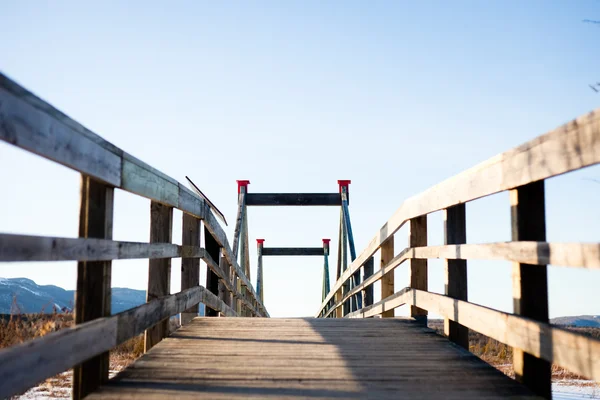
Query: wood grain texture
[[24, 365], [42, 248], [159, 270], [530, 282], [33, 125], [258, 358], [573, 351], [93, 294], [455, 271], [568, 148]]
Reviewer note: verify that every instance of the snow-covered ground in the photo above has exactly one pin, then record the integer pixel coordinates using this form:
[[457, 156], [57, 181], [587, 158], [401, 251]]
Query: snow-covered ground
[[61, 389], [575, 390]]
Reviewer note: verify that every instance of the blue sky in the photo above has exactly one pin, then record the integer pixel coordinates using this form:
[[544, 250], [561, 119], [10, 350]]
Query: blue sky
[[396, 96]]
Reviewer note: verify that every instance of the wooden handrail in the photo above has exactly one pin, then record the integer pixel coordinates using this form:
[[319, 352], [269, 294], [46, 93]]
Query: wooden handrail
[[24, 365], [579, 255], [572, 146], [34, 125], [573, 351]]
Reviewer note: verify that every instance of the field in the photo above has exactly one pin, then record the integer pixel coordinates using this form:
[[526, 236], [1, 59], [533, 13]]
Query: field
[[500, 355], [17, 329]]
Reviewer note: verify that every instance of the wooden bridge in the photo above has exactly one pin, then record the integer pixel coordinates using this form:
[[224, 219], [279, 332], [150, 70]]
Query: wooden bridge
[[323, 357]]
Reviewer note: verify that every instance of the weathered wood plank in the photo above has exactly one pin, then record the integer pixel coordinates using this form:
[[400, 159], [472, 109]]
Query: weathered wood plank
[[92, 298], [139, 180], [42, 248], [22, 366], [455, 271], [241, 358], [190, 267], [293, 251], [159, 270], [47, 132], [568, 148], [293, 199], [573, 351], [530, 282]]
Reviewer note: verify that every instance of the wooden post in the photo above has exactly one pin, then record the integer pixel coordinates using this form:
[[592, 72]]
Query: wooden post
[[93, 279], [455, 232], [530, 282], [159, 271], [367, 293], [212, 280], [339, 312], [417, 269], [190, 267], [224, 267], [387, 282]]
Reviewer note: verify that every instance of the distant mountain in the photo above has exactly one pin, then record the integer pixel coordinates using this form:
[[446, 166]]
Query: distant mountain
[[33, 298], [591, 321]]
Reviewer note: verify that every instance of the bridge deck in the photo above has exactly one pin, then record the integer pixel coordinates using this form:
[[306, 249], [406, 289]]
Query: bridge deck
[[228, 358]]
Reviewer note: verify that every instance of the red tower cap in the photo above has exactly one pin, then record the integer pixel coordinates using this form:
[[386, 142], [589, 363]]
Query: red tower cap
[[344, 182], [243, 183], [326, 241], [260, 241]]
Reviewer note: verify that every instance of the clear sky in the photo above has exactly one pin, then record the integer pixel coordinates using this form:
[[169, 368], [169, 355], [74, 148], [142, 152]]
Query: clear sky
[[394, 95]]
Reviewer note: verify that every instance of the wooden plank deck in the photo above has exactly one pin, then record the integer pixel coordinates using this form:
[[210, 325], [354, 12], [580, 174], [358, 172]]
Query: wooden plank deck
[[258, 358]]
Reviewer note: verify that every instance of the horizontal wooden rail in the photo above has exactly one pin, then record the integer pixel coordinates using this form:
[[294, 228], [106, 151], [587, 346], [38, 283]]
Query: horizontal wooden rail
[[27, 364], [581, 255], [570, 147], [293, 199], [573, 351], [293, 251], [32, 124], [41, 248]]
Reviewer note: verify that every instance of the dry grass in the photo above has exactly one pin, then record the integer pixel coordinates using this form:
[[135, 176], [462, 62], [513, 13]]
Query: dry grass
[[501, 356], [16, 329]]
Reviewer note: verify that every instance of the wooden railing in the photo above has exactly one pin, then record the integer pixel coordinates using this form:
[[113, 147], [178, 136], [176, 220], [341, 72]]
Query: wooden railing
[[521, 171], [33, 125]]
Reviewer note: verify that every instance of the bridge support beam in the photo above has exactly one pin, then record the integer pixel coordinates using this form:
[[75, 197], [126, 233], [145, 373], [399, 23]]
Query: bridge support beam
[[93, 279], [455, 232], [417, 269], [530, 282]]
